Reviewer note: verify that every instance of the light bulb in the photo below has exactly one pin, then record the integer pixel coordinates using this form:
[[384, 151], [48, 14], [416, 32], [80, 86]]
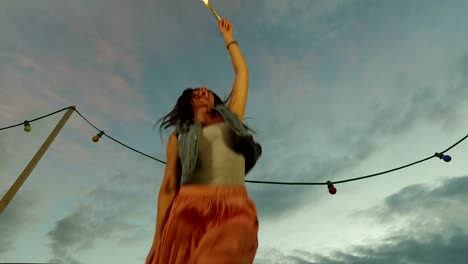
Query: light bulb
[[97, 137], [27, 126], [444, 157], [331, 188]]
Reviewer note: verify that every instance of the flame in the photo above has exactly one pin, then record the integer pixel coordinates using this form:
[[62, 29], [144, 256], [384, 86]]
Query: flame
[[206, 2]]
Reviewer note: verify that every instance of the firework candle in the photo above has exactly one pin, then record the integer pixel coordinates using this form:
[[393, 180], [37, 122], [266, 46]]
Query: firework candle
[[215, 14]]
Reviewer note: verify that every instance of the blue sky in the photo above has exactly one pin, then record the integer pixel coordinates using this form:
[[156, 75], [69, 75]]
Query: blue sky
[[338, 89]]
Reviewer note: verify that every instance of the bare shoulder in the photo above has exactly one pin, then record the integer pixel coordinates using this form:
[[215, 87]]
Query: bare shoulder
[[171, 178], [172, 145], [172, 139]]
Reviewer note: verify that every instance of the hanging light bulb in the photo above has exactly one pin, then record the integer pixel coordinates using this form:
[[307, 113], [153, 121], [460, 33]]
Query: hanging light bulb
[[444, 157], [331, 188], [27, 126], [447, 158], [98, 136]]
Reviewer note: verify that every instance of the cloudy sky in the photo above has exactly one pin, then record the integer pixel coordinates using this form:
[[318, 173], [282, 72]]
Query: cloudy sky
[[338, 89]]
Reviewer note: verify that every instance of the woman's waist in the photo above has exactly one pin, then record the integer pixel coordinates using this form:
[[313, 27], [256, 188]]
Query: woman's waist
[[218, 176], [214, 190]]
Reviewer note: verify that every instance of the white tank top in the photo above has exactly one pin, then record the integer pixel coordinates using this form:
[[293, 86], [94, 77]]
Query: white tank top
[[217, 163]]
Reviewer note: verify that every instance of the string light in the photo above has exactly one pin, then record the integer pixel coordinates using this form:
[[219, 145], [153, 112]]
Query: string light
[[331, 188], [441, 156], [331, 185], [27, 126], [98, 136]]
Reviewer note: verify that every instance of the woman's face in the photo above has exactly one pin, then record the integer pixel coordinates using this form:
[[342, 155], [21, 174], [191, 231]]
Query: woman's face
[[202, 97]]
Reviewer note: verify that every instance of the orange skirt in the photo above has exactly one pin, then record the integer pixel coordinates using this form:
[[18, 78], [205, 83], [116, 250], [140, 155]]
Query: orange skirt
[[209, 224]]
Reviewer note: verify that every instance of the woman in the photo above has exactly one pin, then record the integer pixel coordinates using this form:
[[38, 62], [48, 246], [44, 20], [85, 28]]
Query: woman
[[204, 213]]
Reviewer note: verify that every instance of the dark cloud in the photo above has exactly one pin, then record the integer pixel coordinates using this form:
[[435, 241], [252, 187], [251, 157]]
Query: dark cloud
[[68, 260], [436, 249], [353, 143], [444, 240], [75, 26], [445, 204], [16, 217], [438, 104], [275, 201], [107, 212]]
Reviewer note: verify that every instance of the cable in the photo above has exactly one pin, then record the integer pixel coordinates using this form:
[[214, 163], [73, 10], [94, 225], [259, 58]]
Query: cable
[[35, 119], [117, 141], [329, 183], [347, 180]]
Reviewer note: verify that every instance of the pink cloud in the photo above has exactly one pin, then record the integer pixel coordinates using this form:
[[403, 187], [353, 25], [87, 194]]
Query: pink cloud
[[110, 52], [27, 62], [19, 94], [41, 84], [296, 76], [38, 82], [64, 148], [7, 113], [105, 53]]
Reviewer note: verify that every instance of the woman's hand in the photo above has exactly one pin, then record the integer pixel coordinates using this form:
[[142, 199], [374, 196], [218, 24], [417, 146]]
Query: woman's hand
[[225, 28]]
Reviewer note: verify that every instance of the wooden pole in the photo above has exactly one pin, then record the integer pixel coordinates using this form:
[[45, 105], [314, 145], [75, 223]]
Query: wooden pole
[[32, 164]]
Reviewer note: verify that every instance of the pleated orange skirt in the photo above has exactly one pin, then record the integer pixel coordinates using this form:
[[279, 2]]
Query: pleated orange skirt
[[209, 225]]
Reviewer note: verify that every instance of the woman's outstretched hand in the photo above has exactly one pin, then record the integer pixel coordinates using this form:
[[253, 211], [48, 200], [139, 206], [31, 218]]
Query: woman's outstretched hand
[[225, 28]]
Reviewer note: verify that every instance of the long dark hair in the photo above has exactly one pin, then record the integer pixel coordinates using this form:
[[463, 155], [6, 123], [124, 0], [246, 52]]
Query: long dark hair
[[183, 111]]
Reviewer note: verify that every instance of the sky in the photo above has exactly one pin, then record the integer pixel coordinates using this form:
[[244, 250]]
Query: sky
[[338, 89]]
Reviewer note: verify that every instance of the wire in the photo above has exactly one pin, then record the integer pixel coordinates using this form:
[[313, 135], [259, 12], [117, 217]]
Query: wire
[[249, 181], [117, 141], [35, 119]]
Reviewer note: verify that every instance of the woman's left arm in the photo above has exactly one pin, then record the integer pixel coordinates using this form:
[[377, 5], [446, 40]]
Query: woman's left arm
[[239, 92]]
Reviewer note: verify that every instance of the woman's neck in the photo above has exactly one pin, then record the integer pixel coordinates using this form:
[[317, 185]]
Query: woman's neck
[[206, 116]]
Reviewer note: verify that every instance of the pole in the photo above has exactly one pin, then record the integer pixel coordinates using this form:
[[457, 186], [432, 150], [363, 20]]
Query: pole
[[32, 164]]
